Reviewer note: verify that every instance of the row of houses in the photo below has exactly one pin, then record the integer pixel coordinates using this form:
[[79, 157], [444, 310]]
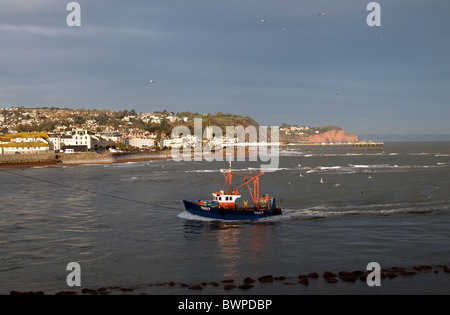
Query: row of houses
[[81, 140], [78, 140], [20, 143]]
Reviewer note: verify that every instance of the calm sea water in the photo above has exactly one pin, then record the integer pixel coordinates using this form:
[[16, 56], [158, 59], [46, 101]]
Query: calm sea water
[[126, 226]]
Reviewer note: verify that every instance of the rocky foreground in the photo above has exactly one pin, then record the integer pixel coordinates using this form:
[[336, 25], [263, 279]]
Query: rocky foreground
[[248, 283]]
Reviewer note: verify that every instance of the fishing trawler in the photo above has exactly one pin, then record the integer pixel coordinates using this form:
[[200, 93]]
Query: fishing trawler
[[223, 205]]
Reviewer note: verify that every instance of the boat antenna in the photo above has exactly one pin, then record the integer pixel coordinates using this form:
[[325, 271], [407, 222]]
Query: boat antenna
[[229, 160]]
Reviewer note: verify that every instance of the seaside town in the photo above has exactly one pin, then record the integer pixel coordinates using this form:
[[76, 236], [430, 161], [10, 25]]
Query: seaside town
[[40, 130], [36, 130]]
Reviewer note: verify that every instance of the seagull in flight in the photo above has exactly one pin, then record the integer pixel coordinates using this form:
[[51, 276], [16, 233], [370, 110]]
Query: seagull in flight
[[152, 81], [322, 13], [262, 20]]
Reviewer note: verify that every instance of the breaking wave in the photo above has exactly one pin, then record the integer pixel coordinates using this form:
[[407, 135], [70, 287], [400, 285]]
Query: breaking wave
[[353, 168]]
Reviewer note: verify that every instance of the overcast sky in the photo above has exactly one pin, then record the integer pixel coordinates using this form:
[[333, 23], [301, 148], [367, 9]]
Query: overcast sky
[[206, 56]]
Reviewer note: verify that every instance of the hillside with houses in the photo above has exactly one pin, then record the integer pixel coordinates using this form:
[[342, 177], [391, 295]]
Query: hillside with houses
[[37, 130]]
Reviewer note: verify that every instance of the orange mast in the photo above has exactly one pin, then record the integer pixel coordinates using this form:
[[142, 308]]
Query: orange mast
[[255, 195]]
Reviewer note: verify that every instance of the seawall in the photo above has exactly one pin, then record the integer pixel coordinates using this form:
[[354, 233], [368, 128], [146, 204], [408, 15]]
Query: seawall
[[27, 158], [108, 157]]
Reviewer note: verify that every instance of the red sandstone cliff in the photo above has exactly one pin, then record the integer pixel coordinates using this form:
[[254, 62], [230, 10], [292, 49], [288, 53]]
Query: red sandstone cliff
[[333, 136]]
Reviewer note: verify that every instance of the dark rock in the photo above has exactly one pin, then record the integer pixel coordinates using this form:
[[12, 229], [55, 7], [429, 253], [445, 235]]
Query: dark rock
[[345, 273], [196, 287], [27, 293], [329, 274], [347, 276], [89, 291], [422, 268], [302, 277], [126, 289], [266, 279], [280, 278], [101, 289], [229, 286], [249, 280], [313, 275], [171, 283], [184, 284], [66, 293], [304, 281], [446, 269], [214, 284], [245, 286]]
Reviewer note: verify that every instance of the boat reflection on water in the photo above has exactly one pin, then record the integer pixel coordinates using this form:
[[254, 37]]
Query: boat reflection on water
[[230, 245]]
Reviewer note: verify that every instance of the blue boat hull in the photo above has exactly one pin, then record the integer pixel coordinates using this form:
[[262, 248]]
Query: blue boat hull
[[228, 214]]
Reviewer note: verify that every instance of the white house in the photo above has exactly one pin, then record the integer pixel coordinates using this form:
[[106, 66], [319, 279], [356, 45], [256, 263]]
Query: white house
[[155, 119], [54, 142], [188, 141], [142, 142], [78, 138], [173, 143], [113, 136]]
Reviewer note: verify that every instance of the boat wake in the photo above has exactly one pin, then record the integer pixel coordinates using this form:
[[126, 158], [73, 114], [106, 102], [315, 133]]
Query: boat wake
[[374, 210]]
